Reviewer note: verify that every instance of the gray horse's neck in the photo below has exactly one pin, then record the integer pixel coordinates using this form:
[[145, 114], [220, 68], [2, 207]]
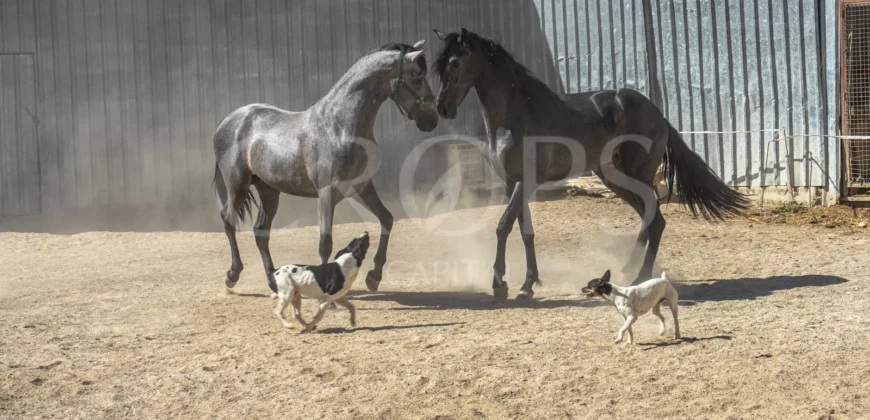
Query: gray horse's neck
[[354, 101]]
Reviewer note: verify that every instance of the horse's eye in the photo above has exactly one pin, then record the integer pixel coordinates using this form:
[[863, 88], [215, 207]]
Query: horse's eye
[[454, 63]]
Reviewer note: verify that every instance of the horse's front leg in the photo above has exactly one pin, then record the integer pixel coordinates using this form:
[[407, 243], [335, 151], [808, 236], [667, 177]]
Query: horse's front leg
[[528, 233], [505, 225], [370, 199], [326, 202]]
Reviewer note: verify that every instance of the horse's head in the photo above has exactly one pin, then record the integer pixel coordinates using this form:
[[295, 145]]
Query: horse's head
[[410, 88], [458, 67]]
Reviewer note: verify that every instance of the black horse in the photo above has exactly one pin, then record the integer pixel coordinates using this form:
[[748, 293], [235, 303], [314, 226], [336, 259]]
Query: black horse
[[619, 134]]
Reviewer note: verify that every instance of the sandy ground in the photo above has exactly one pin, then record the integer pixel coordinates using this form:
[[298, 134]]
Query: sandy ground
[[138, 325]]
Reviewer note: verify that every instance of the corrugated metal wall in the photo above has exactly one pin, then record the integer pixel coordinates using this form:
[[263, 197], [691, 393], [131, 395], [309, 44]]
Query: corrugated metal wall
[[128, 92], [724, 65]]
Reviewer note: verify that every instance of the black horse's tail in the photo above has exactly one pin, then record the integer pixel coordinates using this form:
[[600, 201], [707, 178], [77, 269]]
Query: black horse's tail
[[221, 189], [696, 183]]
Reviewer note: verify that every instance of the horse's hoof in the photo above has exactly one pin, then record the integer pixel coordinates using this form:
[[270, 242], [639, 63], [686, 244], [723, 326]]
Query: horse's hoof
[[372, 283], [500, 293], [230, 283], [524, 295]]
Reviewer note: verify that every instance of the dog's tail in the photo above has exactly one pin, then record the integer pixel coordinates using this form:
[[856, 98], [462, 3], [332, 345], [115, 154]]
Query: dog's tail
[[664, 277], [700, 188]]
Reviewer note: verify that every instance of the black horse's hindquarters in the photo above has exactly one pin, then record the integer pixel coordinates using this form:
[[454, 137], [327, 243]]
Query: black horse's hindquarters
[[518, 106]]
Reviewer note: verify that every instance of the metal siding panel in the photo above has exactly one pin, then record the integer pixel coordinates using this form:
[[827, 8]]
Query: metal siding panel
[[672, 66], [709, 84], [816, 169], [132, 159], [696, 75], [725, 94], [797, 98], [176, 153], [767, 89], [9, 27], [206, 88], [265, 46], [64, 124], [250, 52], [190, 76], [740, 94], [19, 164], [569, 38], [608, 62], [28, 147], [145, 130], [779, 57], [236, 54], [832, 82], [296, 59], [221, 55], [47, 110], [95, 76], [281, 34], [112, 99], [81, 112], [639, 37], [811, 95], [596, 46], [164, 177], [659, 21], [9, 198]]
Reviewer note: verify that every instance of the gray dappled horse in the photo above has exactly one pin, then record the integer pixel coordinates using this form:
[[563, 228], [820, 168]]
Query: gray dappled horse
[[606, 131], [327, 151]]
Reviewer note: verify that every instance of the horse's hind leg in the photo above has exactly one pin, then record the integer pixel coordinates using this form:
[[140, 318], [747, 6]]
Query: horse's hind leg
[[644, 236], [262, 228], [656, 229], [528, 234], [372, 201], [232, 206], [505, 225]]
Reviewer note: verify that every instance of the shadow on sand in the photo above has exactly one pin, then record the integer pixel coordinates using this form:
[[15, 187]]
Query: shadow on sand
[[386, 328], [476, 301], [651, 346], [747, 288]]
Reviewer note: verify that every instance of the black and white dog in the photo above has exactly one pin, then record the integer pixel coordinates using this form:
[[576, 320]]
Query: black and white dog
[[328, 282], [634, 301]]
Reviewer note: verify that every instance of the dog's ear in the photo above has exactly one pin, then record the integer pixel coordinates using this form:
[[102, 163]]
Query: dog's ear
[[605, 278], [439, 34]]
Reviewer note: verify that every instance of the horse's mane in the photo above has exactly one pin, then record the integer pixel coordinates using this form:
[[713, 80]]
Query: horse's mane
[[500, 59], [396, 46]]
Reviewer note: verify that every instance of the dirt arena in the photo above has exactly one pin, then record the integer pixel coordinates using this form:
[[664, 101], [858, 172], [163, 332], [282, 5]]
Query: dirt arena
[[138, 325]]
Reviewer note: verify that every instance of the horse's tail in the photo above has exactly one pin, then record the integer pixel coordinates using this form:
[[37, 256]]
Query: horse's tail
[[696, 183], [221, 190]]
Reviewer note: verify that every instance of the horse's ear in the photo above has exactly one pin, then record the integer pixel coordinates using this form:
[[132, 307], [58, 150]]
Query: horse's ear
[[419, 44], [439, 34], [413, 56], [605, 278]]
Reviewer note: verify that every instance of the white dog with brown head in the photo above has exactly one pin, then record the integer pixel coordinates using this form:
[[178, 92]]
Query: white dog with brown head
[[634, 301]]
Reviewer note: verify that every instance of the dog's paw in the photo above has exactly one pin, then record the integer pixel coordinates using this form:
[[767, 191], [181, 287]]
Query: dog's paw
[[274, 295]]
